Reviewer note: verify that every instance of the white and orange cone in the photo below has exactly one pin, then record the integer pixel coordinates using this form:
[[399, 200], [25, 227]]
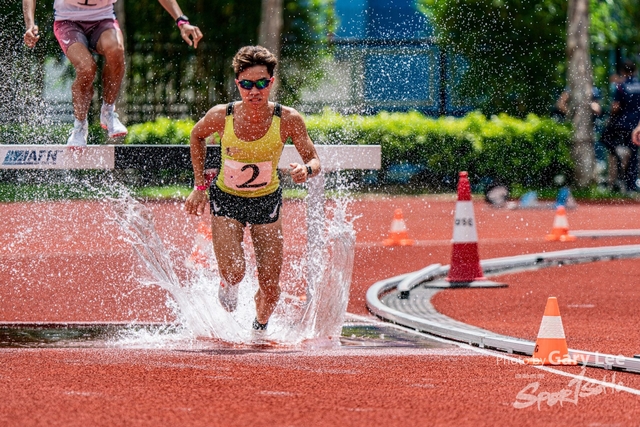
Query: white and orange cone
[[560, 230], [210, 175], [398, 234], [551, 345], [202, 251], [465, 260]]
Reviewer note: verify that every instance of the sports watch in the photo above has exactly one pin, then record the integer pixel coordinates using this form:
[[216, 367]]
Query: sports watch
[[309, 170], [181, 20]]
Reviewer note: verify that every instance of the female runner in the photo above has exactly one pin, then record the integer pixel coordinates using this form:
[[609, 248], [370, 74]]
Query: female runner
[[246, 192]]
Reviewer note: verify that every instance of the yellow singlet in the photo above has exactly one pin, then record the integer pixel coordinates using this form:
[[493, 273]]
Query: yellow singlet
[[250, 168]]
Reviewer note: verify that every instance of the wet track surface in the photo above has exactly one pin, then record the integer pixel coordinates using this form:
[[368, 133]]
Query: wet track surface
[[374, 374], [355, 334]]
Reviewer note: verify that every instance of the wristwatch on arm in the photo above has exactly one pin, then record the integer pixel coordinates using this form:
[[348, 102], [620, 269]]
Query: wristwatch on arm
[[181, 20]]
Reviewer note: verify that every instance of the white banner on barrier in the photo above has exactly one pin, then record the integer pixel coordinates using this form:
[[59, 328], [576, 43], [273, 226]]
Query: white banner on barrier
[[464, 223], [337, 157], [56, 157], [332, 157]]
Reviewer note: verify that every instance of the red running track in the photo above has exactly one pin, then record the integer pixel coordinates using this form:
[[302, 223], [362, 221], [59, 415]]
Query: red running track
[[60, 262]]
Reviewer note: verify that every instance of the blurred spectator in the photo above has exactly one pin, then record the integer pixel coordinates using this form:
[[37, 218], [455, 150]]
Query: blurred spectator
[[562, 105], [624, 117], [560, 113]]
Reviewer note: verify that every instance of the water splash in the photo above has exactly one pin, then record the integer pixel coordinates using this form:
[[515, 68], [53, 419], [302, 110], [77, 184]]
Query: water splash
[[192, 311], [317, 315]]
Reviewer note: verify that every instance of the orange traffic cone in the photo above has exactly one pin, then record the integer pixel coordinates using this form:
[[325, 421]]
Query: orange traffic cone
[[398, 235], [551, 345], [202, 248], [560, 230]]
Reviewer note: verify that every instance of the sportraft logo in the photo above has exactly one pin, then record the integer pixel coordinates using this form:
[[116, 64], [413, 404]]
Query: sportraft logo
[[31, 157]]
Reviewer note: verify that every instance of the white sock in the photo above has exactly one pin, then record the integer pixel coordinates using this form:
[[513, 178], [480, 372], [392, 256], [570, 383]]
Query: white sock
[[78, 123], [108, 107]]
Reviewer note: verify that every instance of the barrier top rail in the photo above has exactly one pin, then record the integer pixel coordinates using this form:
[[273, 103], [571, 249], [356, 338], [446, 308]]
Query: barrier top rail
[[152, 157]]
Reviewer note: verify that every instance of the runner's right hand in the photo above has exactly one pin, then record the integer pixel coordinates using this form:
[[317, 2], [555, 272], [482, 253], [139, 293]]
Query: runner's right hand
[[196, 202], [191, 34], [31, 36]]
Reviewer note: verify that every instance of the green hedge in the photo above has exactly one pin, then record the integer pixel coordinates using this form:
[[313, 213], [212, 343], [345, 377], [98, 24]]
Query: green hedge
[[160, 131], [528, 153], [45, 133]]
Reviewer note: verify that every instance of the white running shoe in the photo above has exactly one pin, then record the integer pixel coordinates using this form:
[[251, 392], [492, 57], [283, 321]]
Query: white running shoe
[[79, 134], [259, 337], [228, 296], [109, 121]]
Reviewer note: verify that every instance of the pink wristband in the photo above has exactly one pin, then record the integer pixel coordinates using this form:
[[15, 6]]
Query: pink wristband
[[181, 23], [201, 188]]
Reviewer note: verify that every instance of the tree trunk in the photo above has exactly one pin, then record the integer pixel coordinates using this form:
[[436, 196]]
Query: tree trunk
[[202, 101], [581, 86], [270, 31]]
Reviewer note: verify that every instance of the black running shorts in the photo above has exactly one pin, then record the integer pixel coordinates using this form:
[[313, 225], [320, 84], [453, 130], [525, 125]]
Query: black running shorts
[[245, 210]]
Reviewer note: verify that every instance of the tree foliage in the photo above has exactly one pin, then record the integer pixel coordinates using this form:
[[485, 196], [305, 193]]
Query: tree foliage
[[164, 68], [516, 48], [614, 36], [513, 49], [164, 72], [614, 24], [307, 26]]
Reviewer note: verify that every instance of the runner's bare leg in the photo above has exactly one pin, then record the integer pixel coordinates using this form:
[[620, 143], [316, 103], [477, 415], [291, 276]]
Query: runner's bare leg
[[111, 46], [228, 235], [82, 87], [268, 245]]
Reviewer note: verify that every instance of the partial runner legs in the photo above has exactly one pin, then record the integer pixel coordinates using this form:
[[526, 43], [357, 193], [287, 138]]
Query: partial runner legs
[[228, 236], [268, 245], [110, 45]]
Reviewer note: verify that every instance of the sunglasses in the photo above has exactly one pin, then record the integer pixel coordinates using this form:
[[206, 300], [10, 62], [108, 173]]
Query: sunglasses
[[249, 84]]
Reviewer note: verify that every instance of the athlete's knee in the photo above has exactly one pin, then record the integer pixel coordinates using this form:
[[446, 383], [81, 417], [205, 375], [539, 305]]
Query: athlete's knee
[[114, 53], [86, 71]]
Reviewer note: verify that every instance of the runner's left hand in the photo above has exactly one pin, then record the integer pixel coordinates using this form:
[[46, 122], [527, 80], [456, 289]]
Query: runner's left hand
[[298, 173], [190, 32]]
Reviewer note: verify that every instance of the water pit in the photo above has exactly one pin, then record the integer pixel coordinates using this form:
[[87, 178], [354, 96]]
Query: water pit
[[110, 335]]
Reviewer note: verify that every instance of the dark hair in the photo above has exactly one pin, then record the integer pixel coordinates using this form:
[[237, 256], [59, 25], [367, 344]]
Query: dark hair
[[628, 67], [250, 56]]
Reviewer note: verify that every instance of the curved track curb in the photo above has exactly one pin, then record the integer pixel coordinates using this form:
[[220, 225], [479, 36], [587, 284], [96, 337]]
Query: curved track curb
[[406, 300]]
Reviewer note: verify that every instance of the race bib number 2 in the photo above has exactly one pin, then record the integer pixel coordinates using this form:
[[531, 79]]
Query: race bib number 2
[[90, 4], [247, 176]]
